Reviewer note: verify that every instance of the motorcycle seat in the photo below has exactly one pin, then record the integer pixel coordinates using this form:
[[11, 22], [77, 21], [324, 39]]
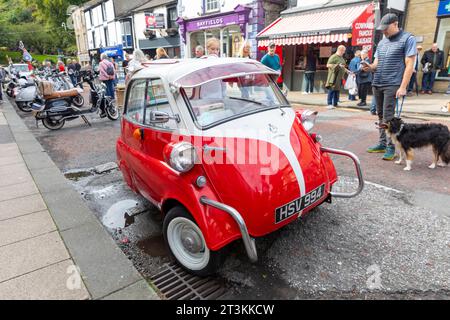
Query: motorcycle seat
[[62, 94]]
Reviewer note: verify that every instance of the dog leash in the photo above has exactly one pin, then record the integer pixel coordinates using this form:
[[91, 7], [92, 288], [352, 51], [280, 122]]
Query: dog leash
[[397, 110]]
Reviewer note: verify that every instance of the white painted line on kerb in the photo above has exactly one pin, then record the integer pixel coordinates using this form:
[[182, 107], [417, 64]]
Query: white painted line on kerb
[[379, 186]]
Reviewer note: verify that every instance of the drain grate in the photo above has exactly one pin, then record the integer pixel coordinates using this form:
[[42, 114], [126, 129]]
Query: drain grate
[[176, 284]]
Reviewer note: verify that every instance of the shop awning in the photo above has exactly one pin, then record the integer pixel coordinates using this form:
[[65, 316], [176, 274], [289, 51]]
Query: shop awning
[[325, 26]]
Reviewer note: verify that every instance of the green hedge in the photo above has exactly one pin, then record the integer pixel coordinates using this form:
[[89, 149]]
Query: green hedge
[[16, 56]]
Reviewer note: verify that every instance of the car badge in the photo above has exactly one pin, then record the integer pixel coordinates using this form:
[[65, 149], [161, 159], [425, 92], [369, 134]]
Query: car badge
[[272, 128]]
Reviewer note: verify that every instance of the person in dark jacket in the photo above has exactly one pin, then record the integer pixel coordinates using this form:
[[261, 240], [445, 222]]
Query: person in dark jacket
[[310, 71], [363, 78], [432, 62]]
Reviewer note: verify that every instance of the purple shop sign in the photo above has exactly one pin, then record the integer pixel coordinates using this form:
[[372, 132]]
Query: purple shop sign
[[215, 22]]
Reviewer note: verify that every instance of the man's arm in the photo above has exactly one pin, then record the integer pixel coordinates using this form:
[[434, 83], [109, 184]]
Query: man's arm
[[409, 61], [370, 67]]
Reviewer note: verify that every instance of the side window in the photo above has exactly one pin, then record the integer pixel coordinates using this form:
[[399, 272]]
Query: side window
[[136, 101], [157, 100]]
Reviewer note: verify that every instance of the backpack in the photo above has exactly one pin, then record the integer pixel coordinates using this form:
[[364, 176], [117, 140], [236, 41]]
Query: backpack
[[110, 70]]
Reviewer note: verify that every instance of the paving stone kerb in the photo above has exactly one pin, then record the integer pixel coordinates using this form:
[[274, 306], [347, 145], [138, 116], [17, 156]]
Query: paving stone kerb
[[104, 267]]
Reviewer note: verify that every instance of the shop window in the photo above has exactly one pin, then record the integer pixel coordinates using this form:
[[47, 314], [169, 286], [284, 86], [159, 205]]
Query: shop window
[[172, 15], [127, 37], [212, 5], [443, 41], [105, 30]]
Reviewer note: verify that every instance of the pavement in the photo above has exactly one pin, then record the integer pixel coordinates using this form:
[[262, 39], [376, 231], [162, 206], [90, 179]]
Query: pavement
[[51, 245], [430, 105]]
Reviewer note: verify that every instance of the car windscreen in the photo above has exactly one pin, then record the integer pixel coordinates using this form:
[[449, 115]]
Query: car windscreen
[[222, 100]]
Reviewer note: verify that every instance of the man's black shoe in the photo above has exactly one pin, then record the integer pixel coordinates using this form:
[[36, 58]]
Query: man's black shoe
[[362, 104]]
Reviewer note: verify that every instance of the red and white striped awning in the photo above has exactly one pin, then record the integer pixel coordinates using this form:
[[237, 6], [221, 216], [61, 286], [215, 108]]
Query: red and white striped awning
[[332, 25], [291, 41]]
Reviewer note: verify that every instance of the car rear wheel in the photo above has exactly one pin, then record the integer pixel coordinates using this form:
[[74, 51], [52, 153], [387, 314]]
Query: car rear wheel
[[187, 243]]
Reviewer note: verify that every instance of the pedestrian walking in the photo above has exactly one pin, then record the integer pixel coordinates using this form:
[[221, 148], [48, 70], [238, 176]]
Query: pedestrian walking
[[393, 68], [77, 73], [246, 50], [2, 79], [432, 62], [272, 60], [116, 72], [353, 67], [413, 82], [310, 71], [199, 52], [125, 63], [161, 54], [71, 72], [135, 64], [107, 75], [213, 47], [61, 66], [336, 71], [363, 78]]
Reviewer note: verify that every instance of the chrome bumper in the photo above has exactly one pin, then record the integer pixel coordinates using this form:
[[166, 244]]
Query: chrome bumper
[[358, 172], [249, 242]]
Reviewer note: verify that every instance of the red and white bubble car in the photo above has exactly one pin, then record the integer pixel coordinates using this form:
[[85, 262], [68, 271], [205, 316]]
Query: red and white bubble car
[[216, 146]]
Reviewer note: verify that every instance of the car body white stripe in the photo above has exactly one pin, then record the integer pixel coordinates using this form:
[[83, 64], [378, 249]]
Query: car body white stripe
[[257, 127]]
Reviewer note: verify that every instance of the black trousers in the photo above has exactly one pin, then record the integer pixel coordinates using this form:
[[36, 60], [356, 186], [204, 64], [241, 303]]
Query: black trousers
[[364, 90]]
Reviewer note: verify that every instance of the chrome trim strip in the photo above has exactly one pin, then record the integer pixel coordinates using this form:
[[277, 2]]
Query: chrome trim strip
[[249, 242], [358, 172]]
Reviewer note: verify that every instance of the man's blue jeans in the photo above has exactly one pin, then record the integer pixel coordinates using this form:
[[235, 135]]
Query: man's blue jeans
[[428, 81], [333, 97], [110, 88]]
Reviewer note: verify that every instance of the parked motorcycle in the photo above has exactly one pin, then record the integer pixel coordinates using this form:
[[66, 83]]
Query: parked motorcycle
[[26, 93], [54, 112]]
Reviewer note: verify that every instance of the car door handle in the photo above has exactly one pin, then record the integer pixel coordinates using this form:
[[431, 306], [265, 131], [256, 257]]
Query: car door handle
[[207, 148]]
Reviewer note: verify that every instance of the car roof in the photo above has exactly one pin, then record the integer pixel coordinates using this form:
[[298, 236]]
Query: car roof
[[174, 69]]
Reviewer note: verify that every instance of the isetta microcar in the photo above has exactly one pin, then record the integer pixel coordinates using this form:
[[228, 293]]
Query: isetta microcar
[[217, 147]]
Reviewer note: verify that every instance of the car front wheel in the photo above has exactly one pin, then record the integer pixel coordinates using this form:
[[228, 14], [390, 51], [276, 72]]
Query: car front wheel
[[187, 243]]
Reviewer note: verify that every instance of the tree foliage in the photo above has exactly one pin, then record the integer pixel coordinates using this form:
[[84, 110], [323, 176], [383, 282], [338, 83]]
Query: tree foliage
[[38, 23]]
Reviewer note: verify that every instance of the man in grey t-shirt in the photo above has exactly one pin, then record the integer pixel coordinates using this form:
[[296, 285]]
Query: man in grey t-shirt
[[393, 67]]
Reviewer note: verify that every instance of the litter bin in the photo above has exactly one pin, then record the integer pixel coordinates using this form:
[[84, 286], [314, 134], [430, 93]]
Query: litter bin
[[120, 95]]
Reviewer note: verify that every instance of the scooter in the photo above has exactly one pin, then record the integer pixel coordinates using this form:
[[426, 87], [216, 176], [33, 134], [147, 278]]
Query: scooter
[[26, 93], [55, 112]]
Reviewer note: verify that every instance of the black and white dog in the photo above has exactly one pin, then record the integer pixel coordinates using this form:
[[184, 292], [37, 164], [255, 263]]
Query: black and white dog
[[408, 137]]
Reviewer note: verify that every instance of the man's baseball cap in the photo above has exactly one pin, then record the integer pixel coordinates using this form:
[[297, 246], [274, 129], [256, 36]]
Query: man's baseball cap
[[271, 44], [387, 20]]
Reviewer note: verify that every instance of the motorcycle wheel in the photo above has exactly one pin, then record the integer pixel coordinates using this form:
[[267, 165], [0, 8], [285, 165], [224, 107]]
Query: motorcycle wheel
[[24, 106], [53, 124], [78, 101], [112, 112]]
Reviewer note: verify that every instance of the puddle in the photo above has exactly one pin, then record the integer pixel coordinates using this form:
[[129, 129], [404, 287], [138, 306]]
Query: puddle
[[116, 217], [75, 176], [154, 246]]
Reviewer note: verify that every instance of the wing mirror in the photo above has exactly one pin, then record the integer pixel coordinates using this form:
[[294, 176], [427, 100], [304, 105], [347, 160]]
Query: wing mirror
[[162, 117]]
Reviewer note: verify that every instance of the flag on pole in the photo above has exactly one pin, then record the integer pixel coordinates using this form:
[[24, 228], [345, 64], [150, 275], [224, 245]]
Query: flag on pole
[[26, 55]]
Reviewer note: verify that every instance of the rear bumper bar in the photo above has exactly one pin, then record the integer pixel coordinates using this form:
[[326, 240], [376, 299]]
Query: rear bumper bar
[[358, 172]]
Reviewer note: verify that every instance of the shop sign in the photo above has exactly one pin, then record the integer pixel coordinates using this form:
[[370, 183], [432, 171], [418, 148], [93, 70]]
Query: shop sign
[[116, 51], [301, 34], [211, 23], [155, 21], [363, 30], [444, 8], [83, 57]]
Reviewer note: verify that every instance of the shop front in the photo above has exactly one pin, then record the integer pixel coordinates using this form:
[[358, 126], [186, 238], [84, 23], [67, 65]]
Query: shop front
[[319, 32], [230, 28], [442, 38]]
